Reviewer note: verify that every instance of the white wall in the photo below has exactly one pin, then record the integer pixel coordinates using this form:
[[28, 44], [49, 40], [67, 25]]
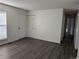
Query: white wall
[[15, 18], [46, 24], [77, 34]]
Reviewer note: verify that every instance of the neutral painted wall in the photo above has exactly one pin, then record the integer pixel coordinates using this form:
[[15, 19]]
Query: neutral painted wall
[[77, 34], [46, 24], [15, 18]]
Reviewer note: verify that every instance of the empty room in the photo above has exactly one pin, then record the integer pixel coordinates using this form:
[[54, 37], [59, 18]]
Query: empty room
[[39, 29]]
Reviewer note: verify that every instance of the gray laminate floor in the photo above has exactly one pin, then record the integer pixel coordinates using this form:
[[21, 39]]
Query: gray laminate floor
[[29, 48]]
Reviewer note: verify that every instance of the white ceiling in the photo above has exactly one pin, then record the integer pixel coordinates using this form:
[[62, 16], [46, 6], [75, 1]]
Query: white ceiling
[[42, 4]]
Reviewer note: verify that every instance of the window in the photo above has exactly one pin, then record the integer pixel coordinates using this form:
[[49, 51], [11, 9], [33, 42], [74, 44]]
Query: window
[[3, 25]]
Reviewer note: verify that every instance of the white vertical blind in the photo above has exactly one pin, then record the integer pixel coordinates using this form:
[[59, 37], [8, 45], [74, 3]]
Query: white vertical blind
[[3, 25]]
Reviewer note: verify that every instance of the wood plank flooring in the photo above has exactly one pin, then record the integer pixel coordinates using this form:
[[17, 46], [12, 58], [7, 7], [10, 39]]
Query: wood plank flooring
[[29, 48]]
